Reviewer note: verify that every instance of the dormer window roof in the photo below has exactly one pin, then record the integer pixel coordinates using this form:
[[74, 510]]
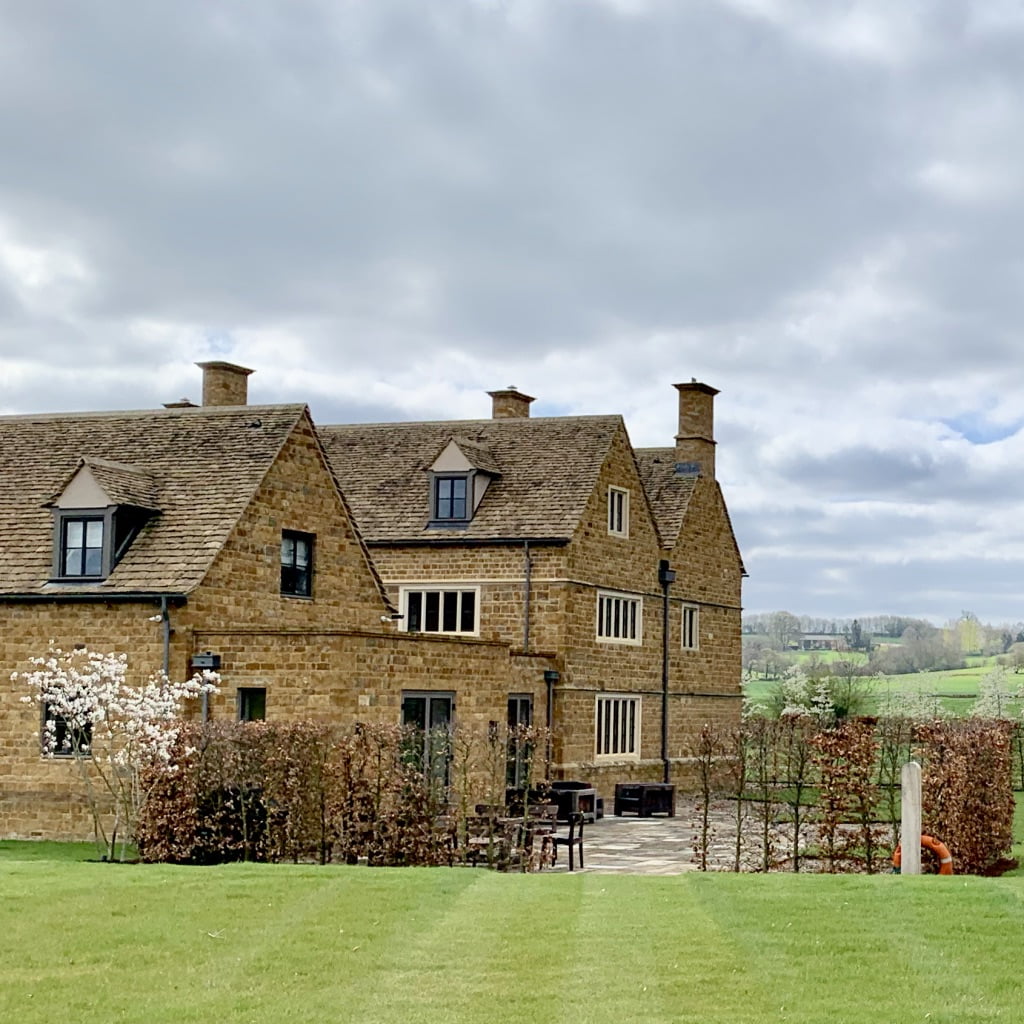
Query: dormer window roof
[[476, 455], [96, 481], [96, 515]]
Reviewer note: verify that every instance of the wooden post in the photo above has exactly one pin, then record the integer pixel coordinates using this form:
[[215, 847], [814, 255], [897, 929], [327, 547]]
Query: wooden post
[[910, 828]]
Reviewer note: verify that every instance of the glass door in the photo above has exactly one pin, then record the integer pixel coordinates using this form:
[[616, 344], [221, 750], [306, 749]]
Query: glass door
[[427, 718], [520, 718]]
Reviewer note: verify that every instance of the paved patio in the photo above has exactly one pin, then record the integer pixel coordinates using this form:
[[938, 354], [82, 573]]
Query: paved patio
[[665, 846], [651, 846]]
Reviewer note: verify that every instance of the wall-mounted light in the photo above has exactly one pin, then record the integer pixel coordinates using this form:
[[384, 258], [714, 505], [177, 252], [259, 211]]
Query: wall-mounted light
[[206, 660]]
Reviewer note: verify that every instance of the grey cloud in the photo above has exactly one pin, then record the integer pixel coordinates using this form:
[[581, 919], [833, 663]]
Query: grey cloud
[[864, 472]]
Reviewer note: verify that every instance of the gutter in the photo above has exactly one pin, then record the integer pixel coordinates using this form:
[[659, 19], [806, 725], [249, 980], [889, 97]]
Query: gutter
[[119, 597], [463, 541]]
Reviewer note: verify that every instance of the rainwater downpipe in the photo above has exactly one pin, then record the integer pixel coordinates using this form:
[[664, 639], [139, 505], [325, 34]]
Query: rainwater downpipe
[[165, 620], [527, 571], [666, 577]]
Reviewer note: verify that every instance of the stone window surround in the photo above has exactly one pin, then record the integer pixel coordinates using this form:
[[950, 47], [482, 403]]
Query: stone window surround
[[440, 588], [618, 512], [617, 718], [690, 628], [630, 626]]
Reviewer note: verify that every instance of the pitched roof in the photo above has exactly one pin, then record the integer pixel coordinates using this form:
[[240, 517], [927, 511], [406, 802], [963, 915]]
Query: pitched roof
[[669, 491], [549, 468], [199, 466]]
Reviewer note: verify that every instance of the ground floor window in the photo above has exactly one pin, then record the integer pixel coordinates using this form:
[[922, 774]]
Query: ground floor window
[[427, 718], [61, 737], [617, 727], [252, 703]]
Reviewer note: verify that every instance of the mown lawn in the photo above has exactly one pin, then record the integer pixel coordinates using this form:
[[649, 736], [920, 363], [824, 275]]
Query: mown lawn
[[92, 942]]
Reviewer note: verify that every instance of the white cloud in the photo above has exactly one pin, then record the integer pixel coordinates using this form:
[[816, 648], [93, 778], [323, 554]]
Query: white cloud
[[387, 209]]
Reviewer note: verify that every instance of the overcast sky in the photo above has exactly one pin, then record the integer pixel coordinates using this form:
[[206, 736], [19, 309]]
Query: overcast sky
[[388, 207]]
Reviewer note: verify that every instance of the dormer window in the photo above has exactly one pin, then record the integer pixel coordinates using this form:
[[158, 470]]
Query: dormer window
[[96, 515], [88, 543], [459, 478], [451, 501], [81, 546]]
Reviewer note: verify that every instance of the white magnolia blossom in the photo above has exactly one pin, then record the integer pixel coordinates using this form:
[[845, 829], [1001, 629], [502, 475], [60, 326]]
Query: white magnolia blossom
[[92, 709], [112, 728]]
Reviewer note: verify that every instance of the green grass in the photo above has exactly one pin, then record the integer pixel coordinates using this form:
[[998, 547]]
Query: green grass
[[254, 943]]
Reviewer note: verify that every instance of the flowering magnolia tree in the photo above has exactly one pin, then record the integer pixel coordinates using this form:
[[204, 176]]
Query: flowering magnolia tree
[[112, 729]]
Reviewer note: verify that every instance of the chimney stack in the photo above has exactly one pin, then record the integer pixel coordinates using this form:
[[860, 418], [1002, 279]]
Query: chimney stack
[[695, 442], [510, 404], [224, 383]]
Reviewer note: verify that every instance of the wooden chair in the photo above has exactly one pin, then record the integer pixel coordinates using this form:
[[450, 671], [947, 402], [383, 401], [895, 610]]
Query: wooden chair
[[540, 827], [487, 842], [573, 840]]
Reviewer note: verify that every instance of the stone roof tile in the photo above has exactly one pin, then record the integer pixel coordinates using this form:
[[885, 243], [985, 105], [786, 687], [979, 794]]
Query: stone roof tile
[[668, 492], [549, 468], [207, 462]]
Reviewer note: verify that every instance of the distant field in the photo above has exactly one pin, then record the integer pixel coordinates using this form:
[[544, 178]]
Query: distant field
[[957, 687]]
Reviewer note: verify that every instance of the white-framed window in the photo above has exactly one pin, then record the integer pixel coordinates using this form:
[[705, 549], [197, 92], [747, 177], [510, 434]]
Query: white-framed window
[[619, 618], [617, 727], [691, 627], [436, 610], [618, 512]]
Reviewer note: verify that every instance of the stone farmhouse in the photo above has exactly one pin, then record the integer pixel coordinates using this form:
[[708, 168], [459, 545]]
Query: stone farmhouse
[[512, 569]]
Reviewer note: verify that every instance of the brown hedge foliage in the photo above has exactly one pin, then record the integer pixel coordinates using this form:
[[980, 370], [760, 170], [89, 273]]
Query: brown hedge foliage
[[847, 793], [305, 791], [967, 789], [845, 757]]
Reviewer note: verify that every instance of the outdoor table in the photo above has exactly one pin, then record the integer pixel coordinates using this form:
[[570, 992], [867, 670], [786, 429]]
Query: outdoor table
[[645, 798]]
